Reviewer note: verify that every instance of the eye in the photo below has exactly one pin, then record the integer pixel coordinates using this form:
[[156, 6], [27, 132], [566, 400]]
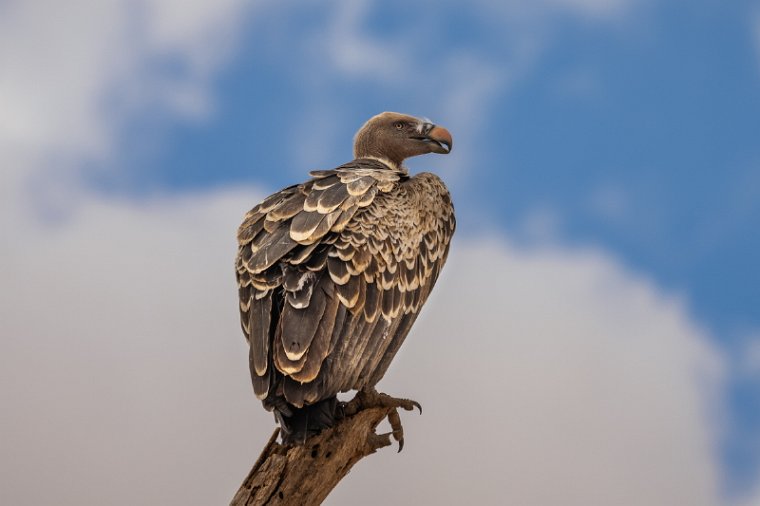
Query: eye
[[399, 125]]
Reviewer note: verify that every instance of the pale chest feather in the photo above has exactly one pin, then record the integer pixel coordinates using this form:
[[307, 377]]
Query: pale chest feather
[[413, 209]]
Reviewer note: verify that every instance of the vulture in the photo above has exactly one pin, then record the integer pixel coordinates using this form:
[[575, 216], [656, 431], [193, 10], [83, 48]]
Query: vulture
[[333, 272]]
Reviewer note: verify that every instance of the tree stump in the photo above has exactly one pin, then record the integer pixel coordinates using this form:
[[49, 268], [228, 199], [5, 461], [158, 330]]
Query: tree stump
[[305, 474]]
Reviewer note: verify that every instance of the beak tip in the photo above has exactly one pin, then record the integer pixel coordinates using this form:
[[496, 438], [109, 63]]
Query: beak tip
[[443, 137]]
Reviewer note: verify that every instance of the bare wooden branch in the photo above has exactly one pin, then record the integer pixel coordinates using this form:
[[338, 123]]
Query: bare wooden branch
[[305, 474]]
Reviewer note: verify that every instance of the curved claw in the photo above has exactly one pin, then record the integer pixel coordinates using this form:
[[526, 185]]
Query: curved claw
[[372, 398], [408, 404], [398, 429]]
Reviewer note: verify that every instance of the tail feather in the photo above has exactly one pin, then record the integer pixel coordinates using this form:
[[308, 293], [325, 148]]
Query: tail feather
[[302, 423]]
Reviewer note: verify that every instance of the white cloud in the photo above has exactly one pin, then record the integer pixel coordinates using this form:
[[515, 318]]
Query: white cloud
[[74, 72], [355, 52], [123, 373], [547, 375], [541, 225], [81, 340], [751, 500], [551, 376]]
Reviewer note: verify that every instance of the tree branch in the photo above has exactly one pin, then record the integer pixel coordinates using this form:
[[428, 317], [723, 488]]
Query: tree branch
[[306, 474]]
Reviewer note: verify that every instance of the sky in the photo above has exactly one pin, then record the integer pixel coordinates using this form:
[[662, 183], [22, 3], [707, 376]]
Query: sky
[[594, 338]]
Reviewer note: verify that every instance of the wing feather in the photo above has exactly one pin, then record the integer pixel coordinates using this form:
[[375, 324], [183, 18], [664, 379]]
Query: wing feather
[[320, 344], [298, 326], [371, 339], [271, 250], [349, 335], [261, 383], [372, 301], [332, 198], [259, 320], [382, 361]]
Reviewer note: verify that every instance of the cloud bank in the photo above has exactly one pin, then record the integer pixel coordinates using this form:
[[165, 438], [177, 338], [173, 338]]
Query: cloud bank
[[554, 377], [548, 375]]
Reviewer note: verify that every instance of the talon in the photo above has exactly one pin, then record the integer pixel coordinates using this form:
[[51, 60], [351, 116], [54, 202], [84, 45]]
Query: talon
[[398, 430], [369, 398]]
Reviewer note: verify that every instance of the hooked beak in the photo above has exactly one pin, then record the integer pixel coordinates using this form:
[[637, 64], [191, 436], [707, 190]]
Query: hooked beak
[[438, 139]]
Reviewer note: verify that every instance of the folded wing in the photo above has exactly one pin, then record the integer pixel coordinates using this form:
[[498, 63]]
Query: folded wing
[[333, 272]]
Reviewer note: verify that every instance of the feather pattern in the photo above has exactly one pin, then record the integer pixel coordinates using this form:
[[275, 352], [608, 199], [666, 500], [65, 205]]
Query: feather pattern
[[332, 274]]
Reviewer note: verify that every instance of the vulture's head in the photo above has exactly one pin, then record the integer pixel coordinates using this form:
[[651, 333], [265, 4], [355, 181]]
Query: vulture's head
[[395, 137]]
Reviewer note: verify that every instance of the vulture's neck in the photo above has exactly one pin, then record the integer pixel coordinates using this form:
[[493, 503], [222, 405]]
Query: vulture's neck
[[384, 161]]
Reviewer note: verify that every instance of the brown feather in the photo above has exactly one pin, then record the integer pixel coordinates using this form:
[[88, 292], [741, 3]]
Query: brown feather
[[318, 259], [273, 200], [326, 182], [288, 208], [349, 335], [320, 344], [359, 306], [306, 228], [348, 293], [302, 253], [375, 351], [344, 218], [303, 226], [361, 355], [293, 392], [312, 199], [282, 362], [250, 228], [259, 318], [260, 383], [272, 250], [372, 301], [359, 186], [403, 328], [298, 326], [388, 303], [266, 280], [368, 197], [361, 259], [299, 285], [338, 270], [331, 198], [343, 250]]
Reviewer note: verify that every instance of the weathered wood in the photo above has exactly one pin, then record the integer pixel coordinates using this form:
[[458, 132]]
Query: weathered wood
[[305, 474]]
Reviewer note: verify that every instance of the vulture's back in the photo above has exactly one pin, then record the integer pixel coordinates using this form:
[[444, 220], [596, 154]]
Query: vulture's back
[[332, 274]]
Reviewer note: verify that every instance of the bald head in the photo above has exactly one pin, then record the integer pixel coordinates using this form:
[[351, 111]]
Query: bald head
[[395, 137]]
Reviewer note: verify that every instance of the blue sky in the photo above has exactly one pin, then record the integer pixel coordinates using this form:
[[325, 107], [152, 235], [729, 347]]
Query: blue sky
[[638, 134], [625, 128]]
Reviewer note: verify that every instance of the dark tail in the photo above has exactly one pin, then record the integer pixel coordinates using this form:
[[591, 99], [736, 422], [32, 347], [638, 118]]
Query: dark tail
[[307, 421]]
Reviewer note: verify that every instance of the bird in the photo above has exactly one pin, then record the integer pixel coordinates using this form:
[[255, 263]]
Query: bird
[[333, 272]]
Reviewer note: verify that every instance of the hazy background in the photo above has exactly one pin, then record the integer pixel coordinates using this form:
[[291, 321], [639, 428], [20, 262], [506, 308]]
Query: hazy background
[[594, 339]]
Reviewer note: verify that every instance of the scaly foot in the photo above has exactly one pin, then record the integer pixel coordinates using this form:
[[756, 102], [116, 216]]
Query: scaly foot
[[371, 398]]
